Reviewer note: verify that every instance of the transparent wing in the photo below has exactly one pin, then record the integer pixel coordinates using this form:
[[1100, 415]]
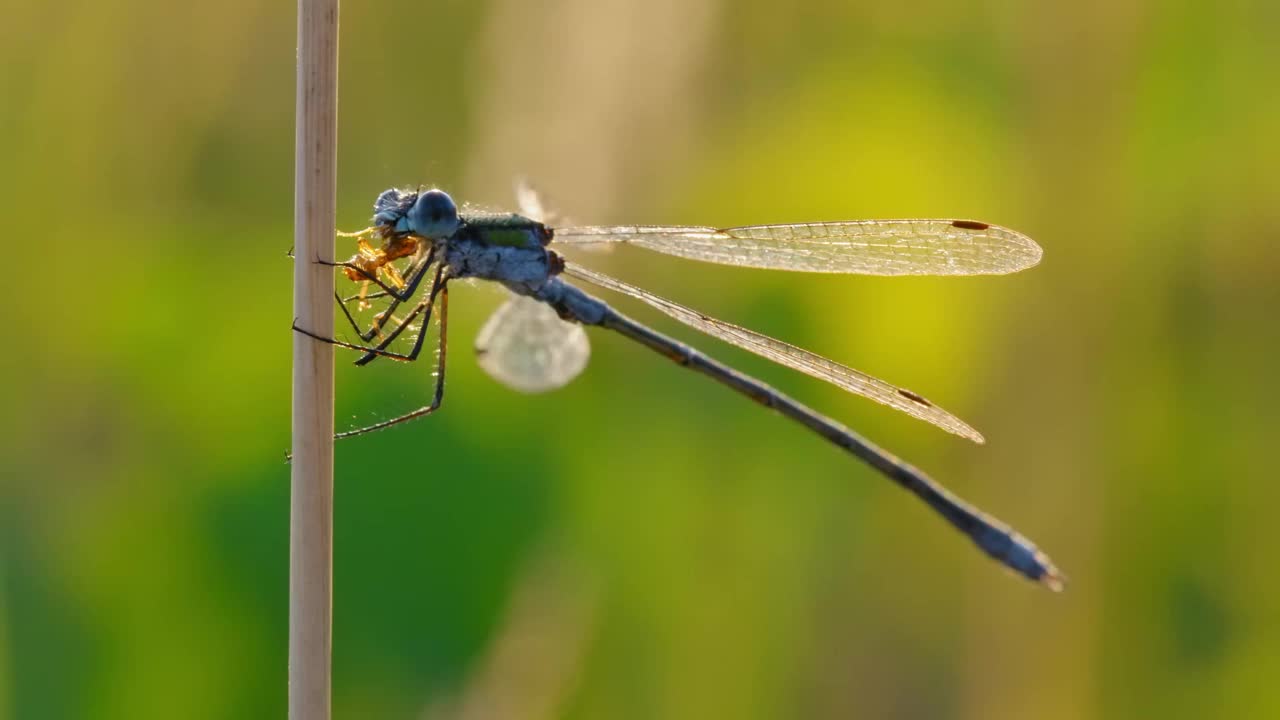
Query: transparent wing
[[867, 247], [530, 202], [532, 205], [841, 376], [527, 347]]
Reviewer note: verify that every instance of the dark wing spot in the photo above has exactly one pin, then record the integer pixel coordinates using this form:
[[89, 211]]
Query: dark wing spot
[[914, 397], [969, 224]]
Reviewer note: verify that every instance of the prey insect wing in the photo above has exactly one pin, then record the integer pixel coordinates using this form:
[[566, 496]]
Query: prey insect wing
[[842, 376], [865, 247]]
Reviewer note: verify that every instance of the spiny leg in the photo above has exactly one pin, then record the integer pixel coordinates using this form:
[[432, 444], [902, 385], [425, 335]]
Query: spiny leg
[[416, 273], [352, 346], [338, 298], [368, 296], [355, 325], [342, 304], [417, 270], [371, 277], [438, 397], [381, 351], [436, 286], [375, 325]]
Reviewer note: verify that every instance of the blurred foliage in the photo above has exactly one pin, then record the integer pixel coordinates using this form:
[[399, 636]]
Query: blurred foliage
[[709, 560]]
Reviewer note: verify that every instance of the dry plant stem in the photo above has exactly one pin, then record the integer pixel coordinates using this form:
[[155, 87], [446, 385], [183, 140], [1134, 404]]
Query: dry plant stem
[[311, 497]]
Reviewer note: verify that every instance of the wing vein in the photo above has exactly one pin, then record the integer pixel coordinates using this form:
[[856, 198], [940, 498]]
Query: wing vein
[[867, 247], [842, 376]]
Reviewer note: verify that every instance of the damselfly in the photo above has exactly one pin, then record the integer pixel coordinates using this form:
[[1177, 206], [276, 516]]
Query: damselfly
[[536, 341]]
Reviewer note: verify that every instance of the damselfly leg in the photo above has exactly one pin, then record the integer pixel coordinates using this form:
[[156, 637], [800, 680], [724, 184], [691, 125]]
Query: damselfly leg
[[438, 285], [380, 350], [442, 351], [416, 272], [439, 289]]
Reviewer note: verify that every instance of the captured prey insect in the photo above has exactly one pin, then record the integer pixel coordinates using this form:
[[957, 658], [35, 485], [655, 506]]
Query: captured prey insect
[[536, 341]]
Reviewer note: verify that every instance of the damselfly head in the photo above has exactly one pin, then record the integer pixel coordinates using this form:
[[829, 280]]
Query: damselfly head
[[434, 215], [390, 207]]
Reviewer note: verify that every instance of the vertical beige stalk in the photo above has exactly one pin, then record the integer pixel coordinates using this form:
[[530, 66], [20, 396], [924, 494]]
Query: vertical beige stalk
[[311, 501]]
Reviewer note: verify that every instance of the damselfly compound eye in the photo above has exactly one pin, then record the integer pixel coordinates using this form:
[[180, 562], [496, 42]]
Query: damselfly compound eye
[[434, 215]]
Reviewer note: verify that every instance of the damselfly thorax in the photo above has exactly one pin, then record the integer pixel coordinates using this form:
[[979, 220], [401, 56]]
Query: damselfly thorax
[[509, 249]]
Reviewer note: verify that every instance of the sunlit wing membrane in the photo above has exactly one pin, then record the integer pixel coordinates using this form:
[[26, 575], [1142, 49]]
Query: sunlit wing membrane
[[529, 201], [527, 347], [866, 247], [841, 376]]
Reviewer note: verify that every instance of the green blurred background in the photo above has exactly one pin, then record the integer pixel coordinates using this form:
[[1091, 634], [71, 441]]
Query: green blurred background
[[644, 544]]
